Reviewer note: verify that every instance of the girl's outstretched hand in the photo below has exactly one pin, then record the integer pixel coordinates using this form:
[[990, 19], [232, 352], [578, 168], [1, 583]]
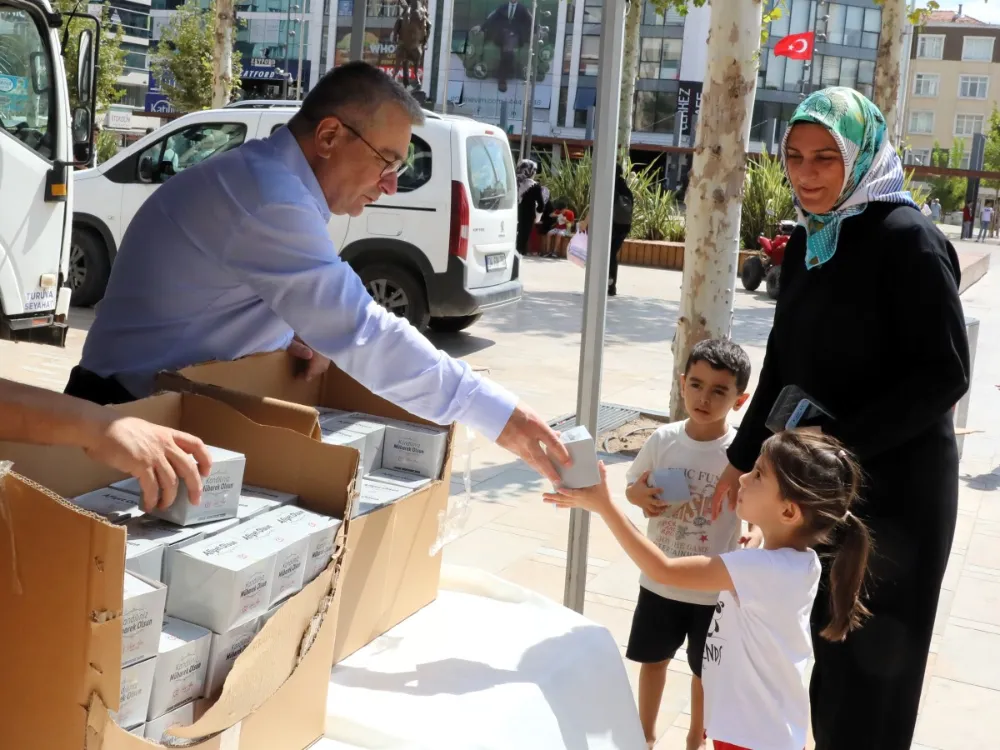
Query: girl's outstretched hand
[[595, 499]]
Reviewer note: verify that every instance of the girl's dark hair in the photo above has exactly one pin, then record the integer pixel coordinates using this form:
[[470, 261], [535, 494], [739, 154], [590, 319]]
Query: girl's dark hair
[[818, 474]]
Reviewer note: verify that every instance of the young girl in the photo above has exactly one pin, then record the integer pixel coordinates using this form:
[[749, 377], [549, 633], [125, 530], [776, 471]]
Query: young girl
[[799, 494]]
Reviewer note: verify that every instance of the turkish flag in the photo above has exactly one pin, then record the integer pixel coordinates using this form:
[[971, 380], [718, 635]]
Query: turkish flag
[[796, 46]]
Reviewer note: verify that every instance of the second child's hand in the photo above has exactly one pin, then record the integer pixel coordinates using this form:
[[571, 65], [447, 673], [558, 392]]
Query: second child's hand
[[640, 494], [726, 489]]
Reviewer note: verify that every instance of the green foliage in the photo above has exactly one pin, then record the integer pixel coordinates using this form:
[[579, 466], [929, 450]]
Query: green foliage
[[920, 193], [681, 6], [106, 145], [112, 56], [917, 16], [569, 179], [949, 190], [655, 214], [182, 64], [767, 199], [991, 156]]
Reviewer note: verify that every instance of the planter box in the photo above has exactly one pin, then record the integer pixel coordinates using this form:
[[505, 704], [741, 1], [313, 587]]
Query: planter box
[[656, 254], [646, 253]]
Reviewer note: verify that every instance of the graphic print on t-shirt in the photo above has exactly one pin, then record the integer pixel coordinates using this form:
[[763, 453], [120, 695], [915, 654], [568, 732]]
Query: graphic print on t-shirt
[[682, 531], [686, 529], [715, 642]]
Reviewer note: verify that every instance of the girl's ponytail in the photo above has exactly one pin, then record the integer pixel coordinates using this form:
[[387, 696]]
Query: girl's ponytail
[[847, 577]]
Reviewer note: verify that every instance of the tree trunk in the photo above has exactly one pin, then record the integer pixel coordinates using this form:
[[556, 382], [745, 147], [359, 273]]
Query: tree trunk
[[888, 61], [630, 72], [222, 55], [715, 191]]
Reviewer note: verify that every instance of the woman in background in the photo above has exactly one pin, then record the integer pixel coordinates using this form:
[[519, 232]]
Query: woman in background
[[531, 201]]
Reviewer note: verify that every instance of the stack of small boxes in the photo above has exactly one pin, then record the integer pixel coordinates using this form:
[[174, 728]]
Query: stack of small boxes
[[200, 582], [397, 458]]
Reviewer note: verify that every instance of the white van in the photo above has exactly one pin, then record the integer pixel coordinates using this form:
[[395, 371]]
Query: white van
[[438, 252]]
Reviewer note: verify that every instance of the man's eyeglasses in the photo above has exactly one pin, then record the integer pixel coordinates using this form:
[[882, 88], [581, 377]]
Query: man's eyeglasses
[[392, 166]]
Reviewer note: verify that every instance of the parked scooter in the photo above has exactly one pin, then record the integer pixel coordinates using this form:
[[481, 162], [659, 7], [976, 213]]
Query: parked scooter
[[766, 265]]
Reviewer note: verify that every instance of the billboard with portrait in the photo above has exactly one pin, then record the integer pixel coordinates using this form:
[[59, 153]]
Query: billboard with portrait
[[490, 55]]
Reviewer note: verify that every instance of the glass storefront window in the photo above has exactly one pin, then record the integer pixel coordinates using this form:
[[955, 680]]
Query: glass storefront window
[[849, 72], [654, 111], [590, 55], [780, 26], [652, 17], [660, 58]]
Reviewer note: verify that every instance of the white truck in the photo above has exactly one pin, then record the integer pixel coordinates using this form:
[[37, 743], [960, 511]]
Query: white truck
[[41, 138]]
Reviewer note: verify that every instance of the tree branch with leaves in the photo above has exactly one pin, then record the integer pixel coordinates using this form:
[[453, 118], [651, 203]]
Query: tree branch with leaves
[[182, 63], [112, 56]]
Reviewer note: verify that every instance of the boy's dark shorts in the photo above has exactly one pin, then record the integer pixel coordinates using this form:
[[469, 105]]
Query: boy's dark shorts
[[659, 627]]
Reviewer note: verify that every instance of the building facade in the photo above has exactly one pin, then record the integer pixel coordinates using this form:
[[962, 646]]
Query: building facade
[[952, 84], [478, 53]]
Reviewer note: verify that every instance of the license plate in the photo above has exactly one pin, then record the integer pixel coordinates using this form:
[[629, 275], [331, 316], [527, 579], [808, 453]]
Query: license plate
[[496, 262]]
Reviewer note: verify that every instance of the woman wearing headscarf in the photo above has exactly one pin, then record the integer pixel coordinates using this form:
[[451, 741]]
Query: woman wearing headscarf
[[868, 324], [532, 199]]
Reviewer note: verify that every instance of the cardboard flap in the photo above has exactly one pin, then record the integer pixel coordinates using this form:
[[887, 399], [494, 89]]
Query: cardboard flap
[[277, 457], [61, 574], [268, 662], [104, 734], [273, 375], [264, 410]]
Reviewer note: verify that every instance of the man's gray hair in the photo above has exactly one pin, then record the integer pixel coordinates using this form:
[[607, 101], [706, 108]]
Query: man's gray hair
[[358, 88]]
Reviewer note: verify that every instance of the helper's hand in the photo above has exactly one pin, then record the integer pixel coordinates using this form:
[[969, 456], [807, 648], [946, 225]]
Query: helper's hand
[[524, 435], [313, 363], [596, 499], [753, 539], [159, 457], [726, 489], [640, 494]]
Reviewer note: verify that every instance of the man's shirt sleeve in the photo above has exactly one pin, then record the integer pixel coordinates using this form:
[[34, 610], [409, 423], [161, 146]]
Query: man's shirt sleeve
[[285, 254]]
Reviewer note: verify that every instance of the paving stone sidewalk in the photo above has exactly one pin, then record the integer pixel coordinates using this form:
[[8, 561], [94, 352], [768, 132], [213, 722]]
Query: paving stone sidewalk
[[534, 350], [511, 533]]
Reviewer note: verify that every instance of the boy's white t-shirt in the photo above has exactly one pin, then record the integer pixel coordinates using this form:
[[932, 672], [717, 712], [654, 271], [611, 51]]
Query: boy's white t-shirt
[[757, 650], [687, 530], [987, 214]]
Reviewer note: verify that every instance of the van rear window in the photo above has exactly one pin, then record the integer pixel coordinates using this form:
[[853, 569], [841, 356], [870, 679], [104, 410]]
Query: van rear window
[[491, 173]]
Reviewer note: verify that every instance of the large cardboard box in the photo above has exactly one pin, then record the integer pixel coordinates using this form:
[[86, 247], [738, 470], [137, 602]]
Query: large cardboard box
[[388, 571], [61, 596]]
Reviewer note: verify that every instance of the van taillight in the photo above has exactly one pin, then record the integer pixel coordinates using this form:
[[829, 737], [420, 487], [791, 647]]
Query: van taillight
[[459, 244]]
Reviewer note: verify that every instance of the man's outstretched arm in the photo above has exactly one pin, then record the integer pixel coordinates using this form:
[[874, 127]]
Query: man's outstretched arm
[[159, 457]]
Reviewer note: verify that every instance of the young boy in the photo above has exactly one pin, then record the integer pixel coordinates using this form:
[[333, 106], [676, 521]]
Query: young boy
[[715, 382]]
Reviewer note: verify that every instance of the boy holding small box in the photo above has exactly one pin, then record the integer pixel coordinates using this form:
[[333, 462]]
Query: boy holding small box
[[673, 480]]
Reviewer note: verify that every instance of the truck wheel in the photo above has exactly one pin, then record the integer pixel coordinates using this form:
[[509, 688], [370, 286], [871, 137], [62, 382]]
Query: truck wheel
[[752, 273], [89, 267], [773, 281], [398, 291], [453, 325]]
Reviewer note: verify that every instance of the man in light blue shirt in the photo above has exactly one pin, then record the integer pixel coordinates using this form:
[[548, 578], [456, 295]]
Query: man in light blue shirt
[[232, 257]]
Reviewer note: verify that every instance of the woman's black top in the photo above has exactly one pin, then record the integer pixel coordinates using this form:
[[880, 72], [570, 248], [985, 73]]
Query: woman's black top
[[877, 336], [530, 205]]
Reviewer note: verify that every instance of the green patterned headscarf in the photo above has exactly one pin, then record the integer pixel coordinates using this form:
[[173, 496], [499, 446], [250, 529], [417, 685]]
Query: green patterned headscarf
[[872, 169]]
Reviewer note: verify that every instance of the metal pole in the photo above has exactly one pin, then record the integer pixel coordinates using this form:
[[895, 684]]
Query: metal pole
[[302, 39], [526, 105], [449, 12], [595, 295], [359, 12], [288, 31]]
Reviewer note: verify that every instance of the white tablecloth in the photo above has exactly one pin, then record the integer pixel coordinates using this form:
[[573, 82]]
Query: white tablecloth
[[488, 665]]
